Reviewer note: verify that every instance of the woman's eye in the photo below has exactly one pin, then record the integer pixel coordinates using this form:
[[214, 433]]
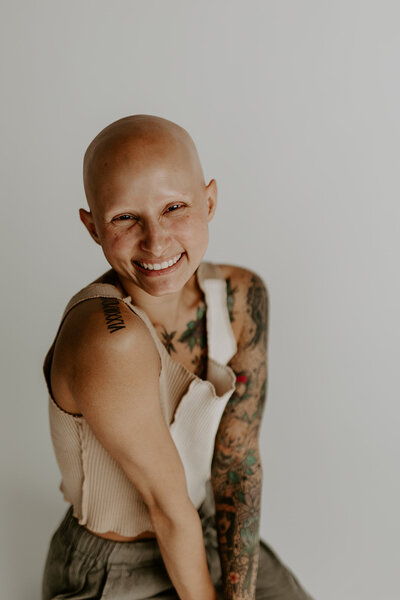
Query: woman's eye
[[124, 218], [173, 207]]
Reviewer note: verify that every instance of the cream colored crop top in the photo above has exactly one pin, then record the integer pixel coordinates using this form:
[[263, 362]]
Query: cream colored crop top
[[103, 497]]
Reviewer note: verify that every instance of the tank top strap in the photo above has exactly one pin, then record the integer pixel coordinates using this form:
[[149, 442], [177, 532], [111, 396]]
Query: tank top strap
[[221, 340], [108, 290], [94, 290]]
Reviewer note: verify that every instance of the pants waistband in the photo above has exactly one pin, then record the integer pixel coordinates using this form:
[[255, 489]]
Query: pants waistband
[[137, 551]]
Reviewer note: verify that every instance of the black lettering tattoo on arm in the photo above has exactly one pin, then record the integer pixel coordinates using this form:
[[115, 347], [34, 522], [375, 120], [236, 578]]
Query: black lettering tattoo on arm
[[112, 313]]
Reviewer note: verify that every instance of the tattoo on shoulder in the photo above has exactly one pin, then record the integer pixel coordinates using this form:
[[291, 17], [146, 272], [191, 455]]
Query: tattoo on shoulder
[[112, 314], [230, 296], [257, 308]]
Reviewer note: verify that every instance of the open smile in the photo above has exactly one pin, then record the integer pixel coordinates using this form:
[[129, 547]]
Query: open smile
[[157, 269]]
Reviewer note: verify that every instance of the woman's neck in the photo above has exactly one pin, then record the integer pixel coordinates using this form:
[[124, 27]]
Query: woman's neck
[[166, 310]]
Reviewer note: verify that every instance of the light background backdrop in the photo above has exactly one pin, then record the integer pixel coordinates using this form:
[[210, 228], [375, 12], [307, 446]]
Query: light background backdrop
[[294, 107]]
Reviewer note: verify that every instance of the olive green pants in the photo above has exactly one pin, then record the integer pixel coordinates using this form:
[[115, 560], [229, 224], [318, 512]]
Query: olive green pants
[[82, 565]]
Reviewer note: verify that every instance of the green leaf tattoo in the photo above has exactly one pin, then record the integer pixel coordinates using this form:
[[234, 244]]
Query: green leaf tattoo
[[195, 332], [167, 340], [233, 476], [250, 458]]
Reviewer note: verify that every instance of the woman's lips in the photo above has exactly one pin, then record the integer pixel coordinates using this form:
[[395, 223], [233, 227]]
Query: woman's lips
[[159, 272]]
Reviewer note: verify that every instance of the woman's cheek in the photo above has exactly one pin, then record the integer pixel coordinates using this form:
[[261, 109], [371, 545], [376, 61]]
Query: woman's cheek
[[191, 227], [120, 240], [115, 245]]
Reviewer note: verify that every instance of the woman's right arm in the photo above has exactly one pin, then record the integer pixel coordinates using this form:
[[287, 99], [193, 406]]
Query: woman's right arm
[[115, 382]]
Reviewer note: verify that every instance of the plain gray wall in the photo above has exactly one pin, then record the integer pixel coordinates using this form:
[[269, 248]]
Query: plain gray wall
[[294, 107]]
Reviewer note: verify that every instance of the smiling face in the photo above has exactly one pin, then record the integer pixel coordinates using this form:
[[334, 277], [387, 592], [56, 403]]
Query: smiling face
[[150, 208]]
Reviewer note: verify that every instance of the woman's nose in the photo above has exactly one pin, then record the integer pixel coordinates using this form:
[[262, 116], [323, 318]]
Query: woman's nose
[[155, 239]]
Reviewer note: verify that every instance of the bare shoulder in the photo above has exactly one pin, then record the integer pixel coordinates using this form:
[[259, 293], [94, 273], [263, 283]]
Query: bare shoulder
[[97, 332], [104, 323], [241, 276], [247, 296]]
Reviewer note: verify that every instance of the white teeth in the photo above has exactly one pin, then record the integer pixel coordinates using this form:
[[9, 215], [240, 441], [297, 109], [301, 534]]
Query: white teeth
[[164, 265]]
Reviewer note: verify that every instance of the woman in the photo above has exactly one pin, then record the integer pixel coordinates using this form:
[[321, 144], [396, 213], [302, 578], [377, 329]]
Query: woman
[[157, 382]]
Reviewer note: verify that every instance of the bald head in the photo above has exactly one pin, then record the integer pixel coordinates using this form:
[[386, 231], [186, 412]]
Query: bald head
[[138, 141]]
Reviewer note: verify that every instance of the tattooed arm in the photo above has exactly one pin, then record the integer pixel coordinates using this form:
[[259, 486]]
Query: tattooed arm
[[236, 472]]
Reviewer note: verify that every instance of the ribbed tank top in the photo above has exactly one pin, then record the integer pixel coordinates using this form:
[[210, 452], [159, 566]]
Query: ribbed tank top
[[103, 497]]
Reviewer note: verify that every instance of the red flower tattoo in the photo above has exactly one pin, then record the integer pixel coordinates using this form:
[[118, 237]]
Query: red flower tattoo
[[241, 378], [233, 577]]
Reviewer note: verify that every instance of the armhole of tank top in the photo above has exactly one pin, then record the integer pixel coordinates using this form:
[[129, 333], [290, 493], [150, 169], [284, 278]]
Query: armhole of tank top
[[48, 361]]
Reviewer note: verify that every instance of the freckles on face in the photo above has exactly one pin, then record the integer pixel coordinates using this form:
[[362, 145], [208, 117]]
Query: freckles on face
[[112, 239], [191, 226], [193, 236], [116, 243], [162, 233]]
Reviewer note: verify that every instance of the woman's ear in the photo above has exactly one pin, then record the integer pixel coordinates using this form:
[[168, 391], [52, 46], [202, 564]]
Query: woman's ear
[[87, 219], [211, 196]]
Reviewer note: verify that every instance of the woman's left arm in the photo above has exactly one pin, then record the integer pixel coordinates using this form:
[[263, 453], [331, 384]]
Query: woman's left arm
[[236, 472]]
